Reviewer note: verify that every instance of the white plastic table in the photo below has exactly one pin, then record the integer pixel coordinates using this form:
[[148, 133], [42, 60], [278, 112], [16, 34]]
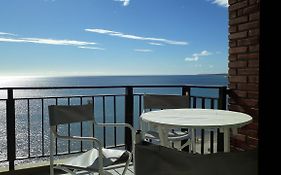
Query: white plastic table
[[195, 118]]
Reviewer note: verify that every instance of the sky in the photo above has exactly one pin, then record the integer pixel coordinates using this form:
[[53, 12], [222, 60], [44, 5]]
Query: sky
[[113, 37]]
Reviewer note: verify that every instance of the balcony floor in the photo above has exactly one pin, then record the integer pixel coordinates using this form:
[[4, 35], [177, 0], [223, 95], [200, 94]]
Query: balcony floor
[[114, 171]]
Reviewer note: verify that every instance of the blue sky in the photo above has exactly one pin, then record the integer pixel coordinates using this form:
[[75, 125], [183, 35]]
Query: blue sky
[[113, 37]]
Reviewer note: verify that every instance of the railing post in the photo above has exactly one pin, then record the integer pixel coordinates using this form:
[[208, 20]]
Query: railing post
[[129, 116], [185, 91], [11, 136], [221, 105]]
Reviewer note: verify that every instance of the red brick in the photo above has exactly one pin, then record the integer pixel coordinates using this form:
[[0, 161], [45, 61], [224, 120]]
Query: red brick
[[254, 16], [248, 86], [232, 44], [232, 86], [233, 107], [238, 35], [232, 29], [248, 41], [232, 14], [253, 63], [248, 56], [251, 9], [238, 20], [249, 25], [254, 32], [253, 79], [240, 93], [248, 71], [254, 95], [252, 140], [232, 57], [253, 126], [238, 5], [254, 48], [251, 2], [249, 132], [250, 102], [230, 2], [238, 79], [232, 72], [237, 64], [235, 50]]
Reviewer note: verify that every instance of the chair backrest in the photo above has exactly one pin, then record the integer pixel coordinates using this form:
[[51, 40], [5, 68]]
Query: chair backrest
[[153, 101], [62, 114]]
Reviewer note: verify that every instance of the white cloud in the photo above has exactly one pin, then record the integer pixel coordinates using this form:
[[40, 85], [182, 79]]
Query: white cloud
[[93, 48], [57, 42], [47, 41], [196, 56], [223, 3], [142, 50], [156, 44], [134, 37], [4, 33], [125, 2]]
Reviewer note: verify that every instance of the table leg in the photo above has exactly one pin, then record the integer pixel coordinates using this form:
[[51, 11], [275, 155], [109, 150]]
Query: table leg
[[193, 141], [226, 139], [163, 134]]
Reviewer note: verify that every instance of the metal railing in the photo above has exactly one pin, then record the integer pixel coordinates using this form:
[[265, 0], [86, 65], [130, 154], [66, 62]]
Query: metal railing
[[129, 100]]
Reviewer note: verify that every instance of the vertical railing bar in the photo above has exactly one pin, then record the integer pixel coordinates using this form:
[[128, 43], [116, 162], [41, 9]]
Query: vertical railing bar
[[93, 100], [140, 104], [103, 119], [212, 103], [42, 112], [56, 142], [81, 128], [114, 118], [202, 140], [129, 115], [68, 128], [212, 142], [28, 127], [11, 129], [194, 102], [203, 100]]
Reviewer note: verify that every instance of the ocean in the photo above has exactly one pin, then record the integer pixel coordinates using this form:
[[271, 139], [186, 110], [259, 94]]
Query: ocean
[[29, 124]]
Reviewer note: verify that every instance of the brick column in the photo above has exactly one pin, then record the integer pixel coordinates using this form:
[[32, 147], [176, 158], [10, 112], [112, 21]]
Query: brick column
[[244, 21]]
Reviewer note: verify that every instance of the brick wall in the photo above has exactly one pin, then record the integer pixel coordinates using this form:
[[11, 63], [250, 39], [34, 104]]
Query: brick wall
[[244, 34]]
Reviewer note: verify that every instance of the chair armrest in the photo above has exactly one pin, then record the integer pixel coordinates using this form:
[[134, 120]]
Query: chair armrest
[[79, 138], [100, 157]]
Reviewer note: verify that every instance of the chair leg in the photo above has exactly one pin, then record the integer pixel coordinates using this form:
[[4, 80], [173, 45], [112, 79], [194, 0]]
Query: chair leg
[[127, 164]]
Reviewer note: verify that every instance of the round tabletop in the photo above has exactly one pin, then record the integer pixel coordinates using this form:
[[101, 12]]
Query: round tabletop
[[196, 118]]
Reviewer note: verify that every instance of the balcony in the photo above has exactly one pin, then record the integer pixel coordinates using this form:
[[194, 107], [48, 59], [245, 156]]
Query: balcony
[[25, 127]]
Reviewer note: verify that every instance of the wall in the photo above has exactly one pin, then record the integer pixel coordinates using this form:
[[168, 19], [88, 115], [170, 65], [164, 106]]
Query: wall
[[244, 35]]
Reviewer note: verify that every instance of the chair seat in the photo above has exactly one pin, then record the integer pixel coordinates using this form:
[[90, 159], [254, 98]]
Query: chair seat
[[89, 159], [172, 135]]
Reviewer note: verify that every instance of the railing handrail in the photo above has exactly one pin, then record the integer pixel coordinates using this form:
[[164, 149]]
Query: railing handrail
[[117, 86]]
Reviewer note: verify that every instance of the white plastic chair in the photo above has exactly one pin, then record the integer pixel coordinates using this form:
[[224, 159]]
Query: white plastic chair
[[155, 101], [95, 159]]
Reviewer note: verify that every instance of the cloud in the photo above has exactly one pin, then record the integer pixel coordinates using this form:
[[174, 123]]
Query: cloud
[[223, 3], [47, 41], [134, 37], [92, 48], [4, 33], [156, 44], [142, 50], [125, 2], [196, 56]]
